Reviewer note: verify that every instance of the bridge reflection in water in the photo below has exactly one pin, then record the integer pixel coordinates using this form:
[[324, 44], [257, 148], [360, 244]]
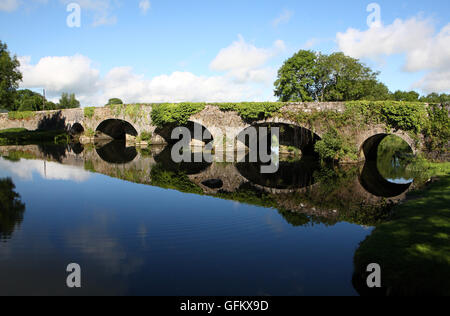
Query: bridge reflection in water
[[302, 190]]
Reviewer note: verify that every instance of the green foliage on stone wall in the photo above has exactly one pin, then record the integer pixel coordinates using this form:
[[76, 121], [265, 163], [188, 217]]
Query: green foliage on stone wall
[[21, 115], [89, 112], [253, 111], [437, 131], [174, 113]]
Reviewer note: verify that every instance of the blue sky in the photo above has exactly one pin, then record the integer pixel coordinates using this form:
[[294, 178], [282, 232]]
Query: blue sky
[[217, 50]]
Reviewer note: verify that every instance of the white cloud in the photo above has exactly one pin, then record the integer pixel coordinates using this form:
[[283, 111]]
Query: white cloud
[[52, 170], [245, 62], [9, 5], [283, 18], [176, 87], [60, 74], [245, 76], [144, 6], [415, 38]]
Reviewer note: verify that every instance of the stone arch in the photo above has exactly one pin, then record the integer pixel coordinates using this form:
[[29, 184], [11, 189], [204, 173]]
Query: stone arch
[[76, 129], [369, 141], [291, 134], [115, 129], [199, 131]]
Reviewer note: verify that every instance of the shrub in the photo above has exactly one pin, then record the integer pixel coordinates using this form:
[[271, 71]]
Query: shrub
[[146, 136], [89, 132], [330, 146], [89, 112], [174, 113], [253, 111], [15, 115]]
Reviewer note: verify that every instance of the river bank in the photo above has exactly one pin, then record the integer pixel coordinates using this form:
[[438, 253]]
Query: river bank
[[21, 136], [413, 247]]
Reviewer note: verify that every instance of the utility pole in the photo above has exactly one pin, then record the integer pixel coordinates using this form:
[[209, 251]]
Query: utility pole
[[43, 101]]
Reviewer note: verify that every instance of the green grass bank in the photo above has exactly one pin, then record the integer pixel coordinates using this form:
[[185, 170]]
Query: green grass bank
[[413, 247]]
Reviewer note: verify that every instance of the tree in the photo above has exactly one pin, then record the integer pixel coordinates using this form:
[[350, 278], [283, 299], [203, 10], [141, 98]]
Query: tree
[[114, 101], [410, 96], [10, 77], [11, 208], [436, 98], [27, 100], [68, 101], [297, 77], [310, 76]]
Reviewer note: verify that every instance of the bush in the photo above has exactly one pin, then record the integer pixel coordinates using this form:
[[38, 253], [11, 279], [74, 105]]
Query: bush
[[330, 146], [437, 132], [253, 111], [146, 136], [174, 113], [16, 115], [89, 112], [89, 132]]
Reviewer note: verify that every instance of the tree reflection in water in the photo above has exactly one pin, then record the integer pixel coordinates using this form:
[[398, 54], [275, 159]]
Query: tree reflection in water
[[11, 209]]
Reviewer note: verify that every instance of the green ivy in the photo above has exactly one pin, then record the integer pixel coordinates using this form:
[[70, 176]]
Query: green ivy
[[253, 111], [15, 115], [174, 113], [89, 112]]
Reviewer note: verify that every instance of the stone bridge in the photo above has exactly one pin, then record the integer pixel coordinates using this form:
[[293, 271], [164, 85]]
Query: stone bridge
[[225, 127]]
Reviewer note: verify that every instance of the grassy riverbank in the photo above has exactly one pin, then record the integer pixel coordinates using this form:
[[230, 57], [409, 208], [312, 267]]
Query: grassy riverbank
[[413, 248], [21, 136]]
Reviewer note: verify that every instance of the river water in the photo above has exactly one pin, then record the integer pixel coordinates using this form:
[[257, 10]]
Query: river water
[[139, 224]]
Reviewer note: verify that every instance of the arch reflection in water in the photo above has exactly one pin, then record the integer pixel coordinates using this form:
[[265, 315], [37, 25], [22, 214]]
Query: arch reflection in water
[[290, 175], [116, 152], [164, 158], [385, 172], [374, 183]]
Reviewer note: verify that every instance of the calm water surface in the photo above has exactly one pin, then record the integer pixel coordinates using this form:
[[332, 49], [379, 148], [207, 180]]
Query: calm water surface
[[139, 224]]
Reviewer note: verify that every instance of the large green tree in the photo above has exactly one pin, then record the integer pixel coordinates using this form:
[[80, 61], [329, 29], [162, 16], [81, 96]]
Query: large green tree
[[311, 76], [10, 77]]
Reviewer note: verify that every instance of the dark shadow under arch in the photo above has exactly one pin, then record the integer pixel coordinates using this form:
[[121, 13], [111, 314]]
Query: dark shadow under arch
[[166, 132], [290, 135], [164, 159], [116, 129], [76, 129]]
